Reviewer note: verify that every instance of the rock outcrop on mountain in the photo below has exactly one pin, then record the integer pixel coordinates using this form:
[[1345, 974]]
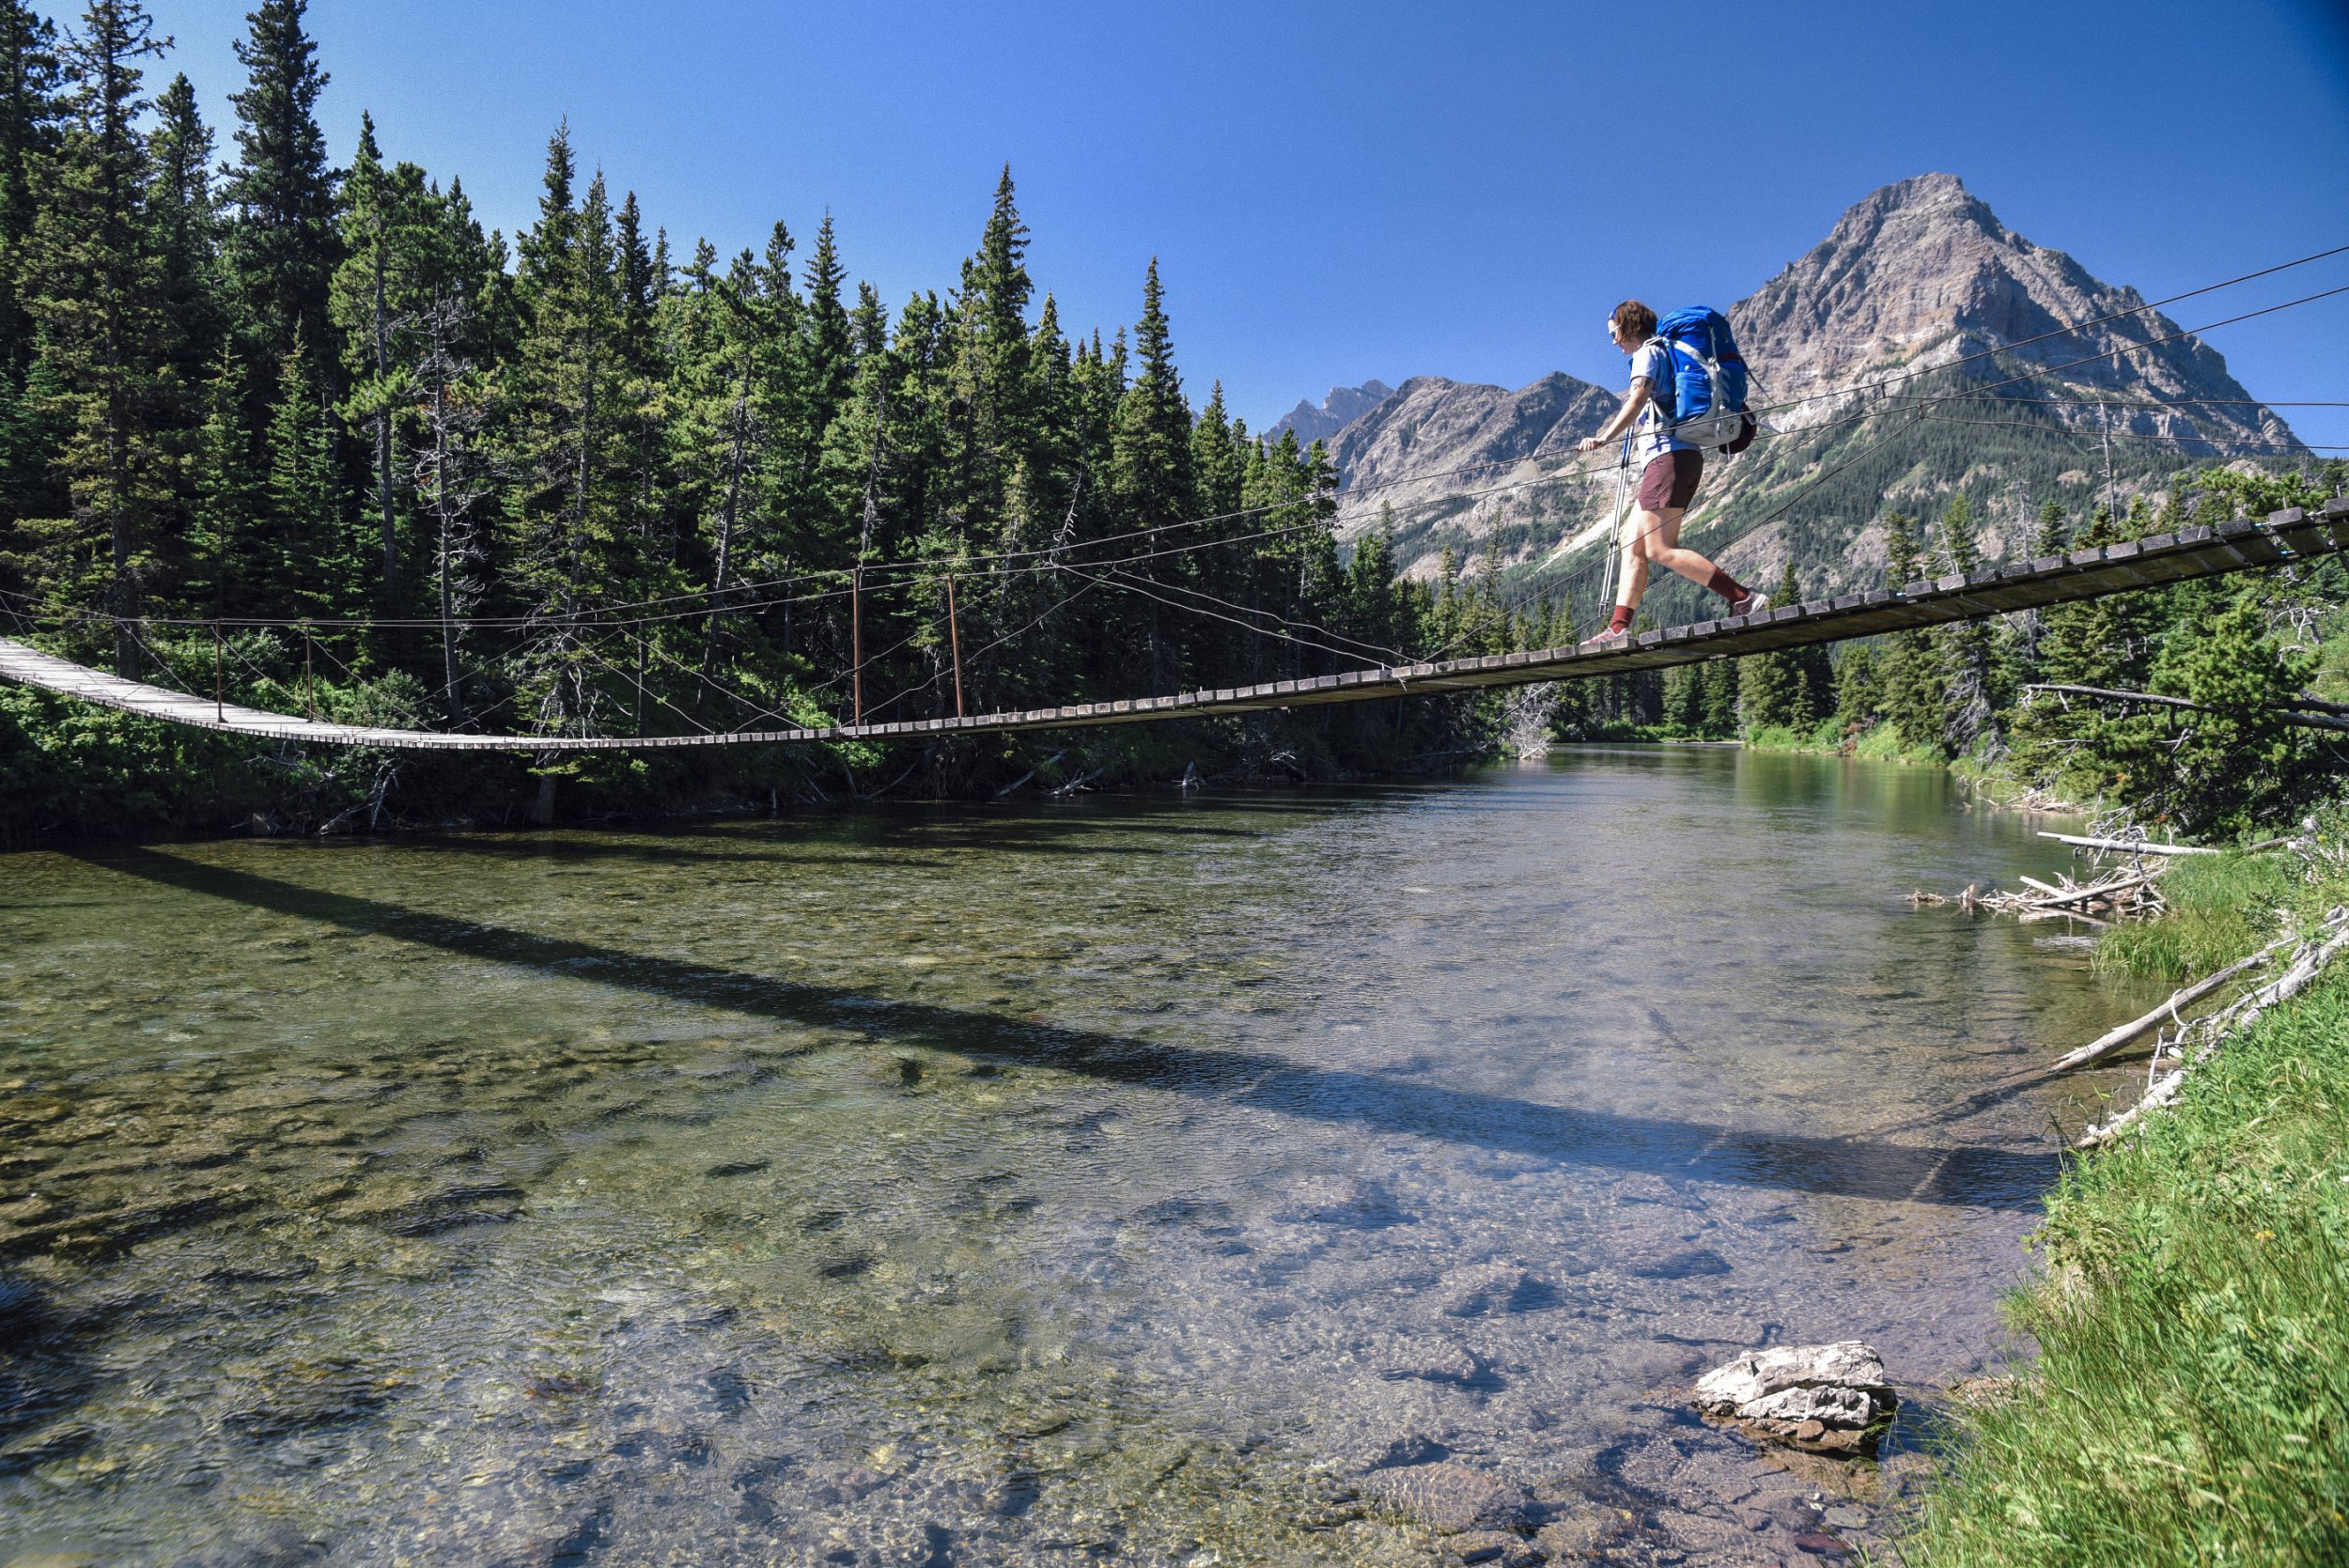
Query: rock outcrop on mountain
[[1440, 456], [1922, 275], [1921, 350], [1344, 405]]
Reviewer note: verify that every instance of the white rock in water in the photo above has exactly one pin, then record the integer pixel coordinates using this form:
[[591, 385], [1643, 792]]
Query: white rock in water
[[1834, 1407], [1820, 1398], [1759, 1374]]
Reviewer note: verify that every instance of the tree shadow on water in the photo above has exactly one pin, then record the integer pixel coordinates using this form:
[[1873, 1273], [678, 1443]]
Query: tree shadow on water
[[1964, 1175]]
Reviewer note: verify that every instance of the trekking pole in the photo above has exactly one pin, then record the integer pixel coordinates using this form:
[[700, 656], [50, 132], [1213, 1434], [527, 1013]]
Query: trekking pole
[[1614, 535]]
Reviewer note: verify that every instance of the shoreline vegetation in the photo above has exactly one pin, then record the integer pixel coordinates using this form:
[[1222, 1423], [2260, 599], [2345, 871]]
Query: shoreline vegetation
[[2189, 1400]]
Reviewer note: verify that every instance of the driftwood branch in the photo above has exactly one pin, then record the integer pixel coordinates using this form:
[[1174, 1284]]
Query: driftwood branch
[[2128, 847], [2112, 1040], [2306, 964]]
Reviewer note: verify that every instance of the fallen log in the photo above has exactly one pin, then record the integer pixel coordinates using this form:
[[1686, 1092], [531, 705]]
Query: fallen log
[[2112, 1040], [2304, 971], [2082, 894], [2128, 846]]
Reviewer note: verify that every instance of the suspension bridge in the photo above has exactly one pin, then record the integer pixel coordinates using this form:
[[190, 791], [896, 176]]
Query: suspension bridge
[[2280, 538]]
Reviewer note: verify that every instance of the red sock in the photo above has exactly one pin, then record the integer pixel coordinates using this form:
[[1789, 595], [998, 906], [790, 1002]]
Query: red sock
[[1725, 586], [1620, 621]]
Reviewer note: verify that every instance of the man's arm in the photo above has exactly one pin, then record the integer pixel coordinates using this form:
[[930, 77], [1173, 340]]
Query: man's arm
[[1633, 401]]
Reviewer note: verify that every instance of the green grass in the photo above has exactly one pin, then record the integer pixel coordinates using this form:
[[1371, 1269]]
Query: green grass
[[1883, 744], [2190, 1400], [2190, 1403], [2221, 907], [1827, 736]]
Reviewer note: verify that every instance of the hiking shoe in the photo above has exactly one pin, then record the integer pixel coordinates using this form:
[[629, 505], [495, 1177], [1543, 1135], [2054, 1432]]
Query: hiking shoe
[[1752, 604]]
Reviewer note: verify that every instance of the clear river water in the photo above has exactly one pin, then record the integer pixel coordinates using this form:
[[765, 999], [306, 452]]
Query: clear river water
[[1123, 1179]]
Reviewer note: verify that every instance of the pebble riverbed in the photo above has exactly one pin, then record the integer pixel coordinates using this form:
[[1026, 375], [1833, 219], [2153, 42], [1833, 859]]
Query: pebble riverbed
[[1355, 1177]]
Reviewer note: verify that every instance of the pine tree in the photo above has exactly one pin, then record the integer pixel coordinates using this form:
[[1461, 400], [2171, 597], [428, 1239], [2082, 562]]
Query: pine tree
[[1814, 666], [282, 244], [829, 344], [29, 128], [1770, 694], [1909, 668], [2237, 763], [1717, 699], [188, 221], [991, 433], [94, 287], [1966, 712], [1859, 696], [360, 302], [567, 550], [1150, 448], [450, 473], [307, 555], [228, 501]]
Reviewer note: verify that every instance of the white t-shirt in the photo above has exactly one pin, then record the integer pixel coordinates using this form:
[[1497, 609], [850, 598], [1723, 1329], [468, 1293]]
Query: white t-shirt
[[1649, 439]]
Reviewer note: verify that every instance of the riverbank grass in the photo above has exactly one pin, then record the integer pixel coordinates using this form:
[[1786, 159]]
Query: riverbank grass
[[2222, 907], [2190, 1401]]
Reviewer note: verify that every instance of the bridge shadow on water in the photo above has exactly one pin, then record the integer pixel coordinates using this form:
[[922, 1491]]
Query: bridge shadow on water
[[1968, 1175]]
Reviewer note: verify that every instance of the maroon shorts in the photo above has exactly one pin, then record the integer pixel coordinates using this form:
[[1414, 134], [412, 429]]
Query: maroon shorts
[[1669, 480]]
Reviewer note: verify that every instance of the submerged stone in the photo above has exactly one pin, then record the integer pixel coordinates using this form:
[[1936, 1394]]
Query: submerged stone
[[1492, 1288], [1449, 1496], [1820, 1398]]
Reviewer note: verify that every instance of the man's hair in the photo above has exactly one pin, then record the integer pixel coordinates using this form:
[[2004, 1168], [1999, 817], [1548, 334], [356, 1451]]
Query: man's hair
[[1635, 319]]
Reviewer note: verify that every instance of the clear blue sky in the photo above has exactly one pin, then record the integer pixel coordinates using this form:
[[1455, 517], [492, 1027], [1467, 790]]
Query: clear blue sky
[[1337, 192]]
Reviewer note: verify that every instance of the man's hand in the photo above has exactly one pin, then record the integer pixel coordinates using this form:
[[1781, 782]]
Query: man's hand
[[1588, 444]]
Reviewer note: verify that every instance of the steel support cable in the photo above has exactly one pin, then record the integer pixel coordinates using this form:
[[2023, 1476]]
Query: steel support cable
[[1285, 621], [977, 653], [2136, 435], [2174, 403], [757, 710], [590, 617], [630, 679], [1130, 586]]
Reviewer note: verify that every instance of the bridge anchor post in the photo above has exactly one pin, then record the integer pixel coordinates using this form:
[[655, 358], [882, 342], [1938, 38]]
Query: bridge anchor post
[[954, 638]]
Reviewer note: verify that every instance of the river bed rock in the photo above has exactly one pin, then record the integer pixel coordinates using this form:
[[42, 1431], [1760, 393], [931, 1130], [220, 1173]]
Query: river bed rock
[[1819, 1398], [1497, 1547], [1451, 1498]]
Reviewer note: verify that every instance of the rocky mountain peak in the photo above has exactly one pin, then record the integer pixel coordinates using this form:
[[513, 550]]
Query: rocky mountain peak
[[1922, 275], [1341, 407]]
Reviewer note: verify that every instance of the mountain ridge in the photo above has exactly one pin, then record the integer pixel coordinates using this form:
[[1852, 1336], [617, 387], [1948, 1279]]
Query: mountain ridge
[[1339, 408]]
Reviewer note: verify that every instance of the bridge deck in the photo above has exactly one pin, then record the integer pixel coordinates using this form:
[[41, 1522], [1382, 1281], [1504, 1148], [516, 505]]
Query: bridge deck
[[2082, 574]]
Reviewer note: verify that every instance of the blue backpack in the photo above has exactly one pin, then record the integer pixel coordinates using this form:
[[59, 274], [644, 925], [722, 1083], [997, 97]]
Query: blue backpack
[[1705, 398]]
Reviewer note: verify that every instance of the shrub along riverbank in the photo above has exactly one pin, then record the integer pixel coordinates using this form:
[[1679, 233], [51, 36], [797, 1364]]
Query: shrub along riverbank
[[2190, 1400]]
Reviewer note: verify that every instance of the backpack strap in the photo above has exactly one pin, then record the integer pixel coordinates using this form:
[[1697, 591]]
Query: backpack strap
[[1664, 401]]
